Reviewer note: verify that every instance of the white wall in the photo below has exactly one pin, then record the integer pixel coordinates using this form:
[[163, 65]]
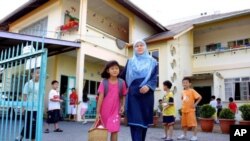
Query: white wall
[[221, 61], [222, 32], [141, 30], [183, 67], [183, 57], [53, 13]]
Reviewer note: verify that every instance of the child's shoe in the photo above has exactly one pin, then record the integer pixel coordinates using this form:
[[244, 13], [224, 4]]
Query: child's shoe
[[182, 137], [168, 139], [194, 138], [164, 137]]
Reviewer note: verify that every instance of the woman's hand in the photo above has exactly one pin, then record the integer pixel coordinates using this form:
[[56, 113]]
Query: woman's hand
[[144, 89], [122, 110]]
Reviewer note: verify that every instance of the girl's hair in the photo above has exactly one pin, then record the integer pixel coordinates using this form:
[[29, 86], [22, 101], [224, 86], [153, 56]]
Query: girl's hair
[[85, 98], [109, 64]]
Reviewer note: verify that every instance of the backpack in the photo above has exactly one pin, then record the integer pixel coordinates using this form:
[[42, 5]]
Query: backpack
[[106, 87]]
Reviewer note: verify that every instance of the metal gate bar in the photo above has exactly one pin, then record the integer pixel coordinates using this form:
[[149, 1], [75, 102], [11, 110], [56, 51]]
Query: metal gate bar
[[14, 72]]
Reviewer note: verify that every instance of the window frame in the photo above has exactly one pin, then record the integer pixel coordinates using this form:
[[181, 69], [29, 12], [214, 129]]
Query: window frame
[[27, 30], [158, 62], [230, 85]]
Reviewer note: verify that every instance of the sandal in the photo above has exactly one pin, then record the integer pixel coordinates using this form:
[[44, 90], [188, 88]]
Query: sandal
[[46, 131], [58, 130]]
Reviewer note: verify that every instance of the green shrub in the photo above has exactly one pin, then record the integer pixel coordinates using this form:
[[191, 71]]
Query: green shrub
[[226, 114], [207, 111], [245, 111]]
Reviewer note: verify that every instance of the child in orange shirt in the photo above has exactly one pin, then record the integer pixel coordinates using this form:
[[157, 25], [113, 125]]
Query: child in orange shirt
[[190, 99]]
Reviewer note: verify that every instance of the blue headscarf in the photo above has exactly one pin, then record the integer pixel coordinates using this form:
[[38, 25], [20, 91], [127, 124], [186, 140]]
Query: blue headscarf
[[140, 66]]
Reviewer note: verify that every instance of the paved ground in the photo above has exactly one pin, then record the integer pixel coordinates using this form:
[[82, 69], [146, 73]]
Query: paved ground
[[74, 131]]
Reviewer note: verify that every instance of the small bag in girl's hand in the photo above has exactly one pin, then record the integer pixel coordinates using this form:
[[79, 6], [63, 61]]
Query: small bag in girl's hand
[[97, 132]]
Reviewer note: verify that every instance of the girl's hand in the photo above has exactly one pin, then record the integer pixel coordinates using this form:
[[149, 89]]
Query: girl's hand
[[98, 115], [122, 110], [144, 89]]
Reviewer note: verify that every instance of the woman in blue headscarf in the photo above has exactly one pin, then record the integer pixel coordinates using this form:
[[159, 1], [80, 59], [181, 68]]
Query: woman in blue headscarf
[[140, 74]]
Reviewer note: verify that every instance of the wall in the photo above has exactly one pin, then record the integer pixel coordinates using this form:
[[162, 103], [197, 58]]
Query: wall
[[52, 10], [107, 25], [102, 53], [73, 7], [162, 48], [183, 47], [229, 30], [51, 75], [219, 87], [103, 40], [220, 61], [66, 65], [141, 30]]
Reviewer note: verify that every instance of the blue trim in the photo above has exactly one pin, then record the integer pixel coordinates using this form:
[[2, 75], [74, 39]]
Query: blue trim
[[136, 124], [17, 36]]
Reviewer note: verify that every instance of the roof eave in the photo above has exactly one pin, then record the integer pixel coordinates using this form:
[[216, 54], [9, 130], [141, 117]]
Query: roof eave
[[140, 13], [153, 41], [221, 19], [21, 11]]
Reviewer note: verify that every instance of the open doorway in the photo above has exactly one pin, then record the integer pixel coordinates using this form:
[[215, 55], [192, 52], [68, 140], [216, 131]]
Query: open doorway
[[67, 83], [63, 92], [205, 92]]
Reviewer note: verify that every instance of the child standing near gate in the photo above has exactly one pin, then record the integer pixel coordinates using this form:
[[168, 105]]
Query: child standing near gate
[[111, 99]]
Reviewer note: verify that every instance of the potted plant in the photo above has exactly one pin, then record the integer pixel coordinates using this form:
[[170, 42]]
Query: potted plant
[[245, 114], [226, 119], [206, 120], [155, 119]]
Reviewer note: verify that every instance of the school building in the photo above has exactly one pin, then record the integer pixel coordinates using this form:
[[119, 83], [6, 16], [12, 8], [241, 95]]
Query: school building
[[82, 35]]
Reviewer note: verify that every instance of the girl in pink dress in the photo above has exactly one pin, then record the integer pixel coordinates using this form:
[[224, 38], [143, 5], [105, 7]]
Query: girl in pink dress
[[111, 101]]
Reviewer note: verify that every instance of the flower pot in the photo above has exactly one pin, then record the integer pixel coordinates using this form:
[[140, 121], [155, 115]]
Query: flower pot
[[225, 125], [156, 121], [244, 122], [207, 124]]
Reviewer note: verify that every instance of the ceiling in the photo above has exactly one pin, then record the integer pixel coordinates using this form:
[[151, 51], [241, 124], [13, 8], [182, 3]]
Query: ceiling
[[88, 58], [99, 6]]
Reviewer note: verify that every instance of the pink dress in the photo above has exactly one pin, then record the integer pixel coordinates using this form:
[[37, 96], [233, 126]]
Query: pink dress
[[111, 106]]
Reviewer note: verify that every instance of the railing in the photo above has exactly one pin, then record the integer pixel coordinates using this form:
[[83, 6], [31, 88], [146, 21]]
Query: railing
[[221, 50]]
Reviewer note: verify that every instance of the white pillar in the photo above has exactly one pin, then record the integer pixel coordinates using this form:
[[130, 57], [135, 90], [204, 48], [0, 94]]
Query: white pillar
[[80, 53], [218, 85]]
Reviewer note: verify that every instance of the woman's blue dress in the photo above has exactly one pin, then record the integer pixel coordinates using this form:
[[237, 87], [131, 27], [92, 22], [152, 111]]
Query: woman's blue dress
[[139, 107]]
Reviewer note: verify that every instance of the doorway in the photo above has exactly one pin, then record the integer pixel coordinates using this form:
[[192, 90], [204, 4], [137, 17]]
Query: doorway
[[67, 83], [205, 92]]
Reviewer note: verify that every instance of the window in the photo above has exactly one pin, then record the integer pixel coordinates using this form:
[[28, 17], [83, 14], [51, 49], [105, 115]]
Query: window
[[155, 55], [90, 87], [247, 42], [38, 28], [238, 88], [213, 47], [197, 50], [239, 43], [231, 44]]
